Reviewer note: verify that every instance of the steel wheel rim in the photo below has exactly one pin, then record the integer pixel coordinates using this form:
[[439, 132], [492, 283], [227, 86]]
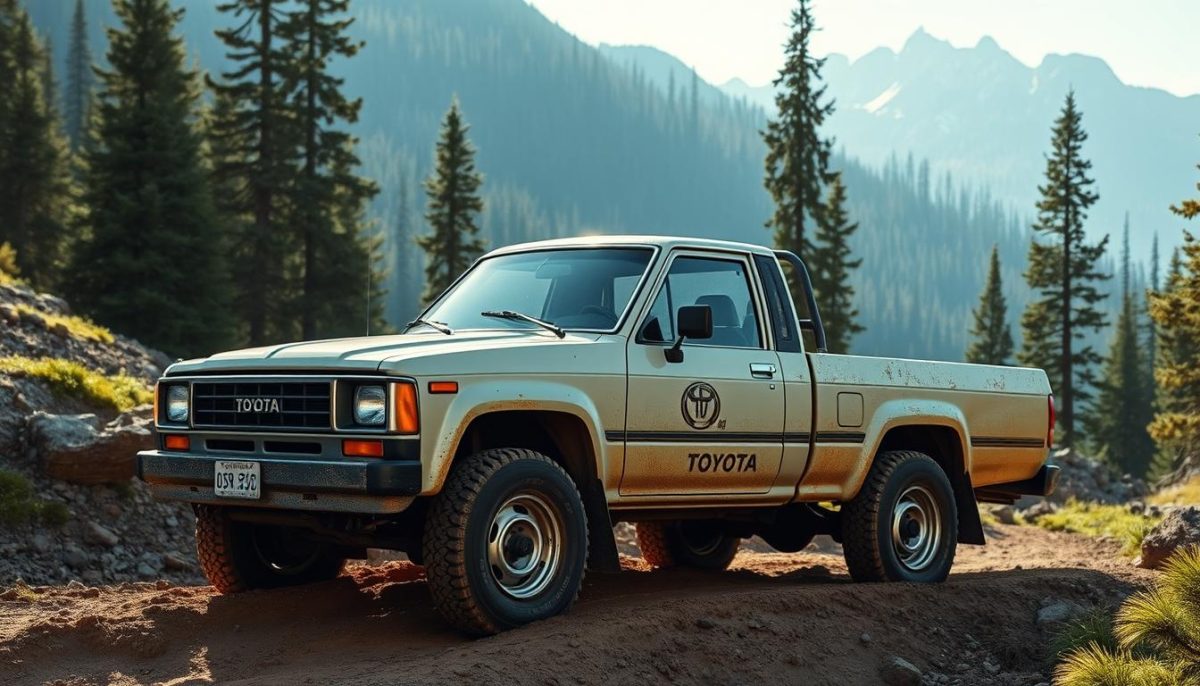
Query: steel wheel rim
[[699, 541], [916, 528], [524, 546]]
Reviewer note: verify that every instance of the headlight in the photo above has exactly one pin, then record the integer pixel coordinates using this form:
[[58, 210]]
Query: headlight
[[177, 403], [370, 405]]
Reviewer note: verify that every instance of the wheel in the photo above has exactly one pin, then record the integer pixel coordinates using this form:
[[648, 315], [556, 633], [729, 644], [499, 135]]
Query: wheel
[[903, 524], [689, 543], [241, 556], [506, 541]]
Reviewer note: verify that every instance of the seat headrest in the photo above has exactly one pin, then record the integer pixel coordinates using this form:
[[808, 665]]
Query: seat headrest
[[724, 312]]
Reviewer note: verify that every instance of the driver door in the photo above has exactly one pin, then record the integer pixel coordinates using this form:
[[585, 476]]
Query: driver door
[[713, 422]]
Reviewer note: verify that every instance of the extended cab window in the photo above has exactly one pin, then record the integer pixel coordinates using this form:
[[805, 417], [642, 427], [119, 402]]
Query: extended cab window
[[722, 285], [575, 289]]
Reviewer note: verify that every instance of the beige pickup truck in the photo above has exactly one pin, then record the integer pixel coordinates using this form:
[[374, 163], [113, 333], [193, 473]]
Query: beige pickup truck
[[558, 388]]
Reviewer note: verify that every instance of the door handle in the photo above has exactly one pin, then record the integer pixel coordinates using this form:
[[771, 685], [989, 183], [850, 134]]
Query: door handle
[[762, 370]]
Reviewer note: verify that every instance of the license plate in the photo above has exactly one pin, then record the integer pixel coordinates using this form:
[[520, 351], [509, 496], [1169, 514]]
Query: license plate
[[237, 480]]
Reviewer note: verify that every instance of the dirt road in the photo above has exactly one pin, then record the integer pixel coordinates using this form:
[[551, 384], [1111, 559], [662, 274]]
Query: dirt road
[[772, 618]]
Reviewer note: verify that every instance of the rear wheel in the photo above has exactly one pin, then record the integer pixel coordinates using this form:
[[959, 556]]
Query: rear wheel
[[689, 543], [505, 541], [903, 524], [241, 556]]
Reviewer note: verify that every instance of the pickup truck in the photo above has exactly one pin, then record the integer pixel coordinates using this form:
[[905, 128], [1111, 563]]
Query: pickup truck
[[561, 387]]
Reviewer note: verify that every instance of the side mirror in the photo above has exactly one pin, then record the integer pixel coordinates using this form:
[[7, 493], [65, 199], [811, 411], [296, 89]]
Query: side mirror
[[693, 321]]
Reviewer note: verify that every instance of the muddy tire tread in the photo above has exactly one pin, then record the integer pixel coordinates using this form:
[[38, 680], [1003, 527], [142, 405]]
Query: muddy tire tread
[[444, 546], [652, 542], [860, 517], [215, 552]]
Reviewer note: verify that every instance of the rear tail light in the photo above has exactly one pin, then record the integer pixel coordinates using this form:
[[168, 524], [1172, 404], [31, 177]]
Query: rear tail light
[[1052, 418], [404, 408]]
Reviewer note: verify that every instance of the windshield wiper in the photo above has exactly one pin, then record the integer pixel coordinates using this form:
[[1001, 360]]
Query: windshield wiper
[[509, 314], [436, 326]]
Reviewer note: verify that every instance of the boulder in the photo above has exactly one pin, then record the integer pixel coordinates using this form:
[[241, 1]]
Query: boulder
[[1180, 528], [71, 448]]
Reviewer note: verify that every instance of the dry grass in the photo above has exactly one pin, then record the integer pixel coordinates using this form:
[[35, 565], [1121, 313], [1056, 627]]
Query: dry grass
[[1095, 519], [77, 326], [120, 393], [1187, 493]]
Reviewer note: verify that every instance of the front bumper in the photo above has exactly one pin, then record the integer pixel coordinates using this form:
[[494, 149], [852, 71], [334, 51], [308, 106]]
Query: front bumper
[[322, 482]]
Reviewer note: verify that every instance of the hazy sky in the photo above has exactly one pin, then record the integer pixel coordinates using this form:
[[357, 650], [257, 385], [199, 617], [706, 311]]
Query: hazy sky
[[1150, 43]]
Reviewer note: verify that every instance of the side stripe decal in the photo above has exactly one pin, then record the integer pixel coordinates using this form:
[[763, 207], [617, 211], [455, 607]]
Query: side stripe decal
[[733, 436], [1003, 442]]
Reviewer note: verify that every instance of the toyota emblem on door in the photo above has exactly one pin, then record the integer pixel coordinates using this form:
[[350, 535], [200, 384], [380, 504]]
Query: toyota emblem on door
[[700, 405]]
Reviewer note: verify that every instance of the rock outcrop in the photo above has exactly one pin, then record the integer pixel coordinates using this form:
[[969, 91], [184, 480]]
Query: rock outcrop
[[1180, 528], [74, 448]]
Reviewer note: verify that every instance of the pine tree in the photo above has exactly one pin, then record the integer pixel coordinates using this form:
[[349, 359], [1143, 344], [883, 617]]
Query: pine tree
[[1176, 312], [326, 189], [1151, 328], [992, 338], [79, 78], [831, 276], [256, 143], [151, 265], [36, 191], [453, 207], [797, 162], [1124, 406], [1064, 273]]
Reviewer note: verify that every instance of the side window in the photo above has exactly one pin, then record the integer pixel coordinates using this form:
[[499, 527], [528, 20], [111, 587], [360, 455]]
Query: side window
[[723, 285], [779, 304]]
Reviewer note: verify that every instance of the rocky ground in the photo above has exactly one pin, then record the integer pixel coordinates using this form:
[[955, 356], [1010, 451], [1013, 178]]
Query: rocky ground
[[113, 532], [773, 618]]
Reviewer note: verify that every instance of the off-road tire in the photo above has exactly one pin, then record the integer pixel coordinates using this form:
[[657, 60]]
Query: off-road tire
[[867, 519], [454, 547], [231, 563], [665, 544]]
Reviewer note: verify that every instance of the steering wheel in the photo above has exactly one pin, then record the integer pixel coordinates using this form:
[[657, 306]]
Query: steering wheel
[[600, 312]]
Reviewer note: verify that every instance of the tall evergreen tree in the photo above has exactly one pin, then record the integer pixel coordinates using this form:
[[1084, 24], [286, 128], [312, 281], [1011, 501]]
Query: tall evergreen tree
[[1176, 312], [831, 276], [1124, 407], [992, 341], [453, 207], [257, 142], [797, 162], [1151, 327], [316, 34], [79, 77], [1064, 273], [151, 265], [36, 193]]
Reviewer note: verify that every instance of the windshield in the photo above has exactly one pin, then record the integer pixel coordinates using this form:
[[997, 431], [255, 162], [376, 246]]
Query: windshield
[[575, 289]]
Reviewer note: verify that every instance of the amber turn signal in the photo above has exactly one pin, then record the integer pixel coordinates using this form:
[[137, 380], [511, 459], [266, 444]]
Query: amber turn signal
[[405, 408], [443, 387], [175, 442], [357, 448]]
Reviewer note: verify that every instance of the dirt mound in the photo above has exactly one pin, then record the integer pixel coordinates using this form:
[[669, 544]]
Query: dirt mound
[[772, 618]]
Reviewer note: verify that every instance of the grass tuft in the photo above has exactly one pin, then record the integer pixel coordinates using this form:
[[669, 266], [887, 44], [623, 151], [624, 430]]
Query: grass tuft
[[77, 326], [1186, 493], [1095, 519], [121, 393], [19, 505], [1092, 630]]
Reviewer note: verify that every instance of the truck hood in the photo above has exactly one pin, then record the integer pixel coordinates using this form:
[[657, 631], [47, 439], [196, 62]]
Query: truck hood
[[371, 353]]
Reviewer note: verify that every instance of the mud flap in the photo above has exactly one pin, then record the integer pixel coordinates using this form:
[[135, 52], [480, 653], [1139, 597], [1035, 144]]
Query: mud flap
[[602, 540], [970, 527]]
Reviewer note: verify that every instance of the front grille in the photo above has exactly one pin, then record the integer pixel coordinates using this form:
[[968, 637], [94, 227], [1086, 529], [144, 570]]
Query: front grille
[[291, 405]]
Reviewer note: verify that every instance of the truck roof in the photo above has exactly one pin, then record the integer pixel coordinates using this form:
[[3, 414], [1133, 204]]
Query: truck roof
[[665, 242]]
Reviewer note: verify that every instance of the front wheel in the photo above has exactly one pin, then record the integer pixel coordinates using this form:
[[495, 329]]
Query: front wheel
[[903, 524], [688, 543], [242, 556], [506, 541]]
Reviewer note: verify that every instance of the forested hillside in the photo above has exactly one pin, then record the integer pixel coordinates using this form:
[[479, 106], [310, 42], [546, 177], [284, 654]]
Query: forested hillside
[[571, 140]]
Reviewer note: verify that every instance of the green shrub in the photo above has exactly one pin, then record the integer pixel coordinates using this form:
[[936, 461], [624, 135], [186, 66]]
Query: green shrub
[[1095, 519], [78, 327], [120, 393], [1092, 630], [8, 264], [1157, 635], [19, 505]]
